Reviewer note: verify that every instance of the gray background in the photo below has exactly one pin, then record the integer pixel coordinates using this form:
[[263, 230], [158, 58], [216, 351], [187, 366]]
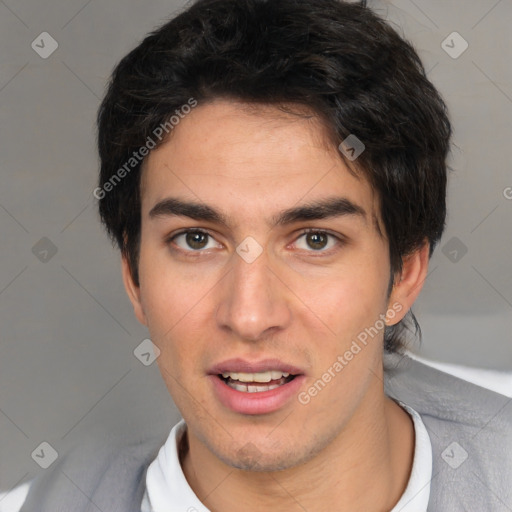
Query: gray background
[[67, 333]]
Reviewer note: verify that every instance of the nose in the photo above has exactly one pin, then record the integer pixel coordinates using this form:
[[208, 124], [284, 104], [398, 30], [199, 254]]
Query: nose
[[254, 301]]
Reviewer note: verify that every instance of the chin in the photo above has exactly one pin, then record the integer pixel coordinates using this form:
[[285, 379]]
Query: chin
[[250, 459], [264, 459]]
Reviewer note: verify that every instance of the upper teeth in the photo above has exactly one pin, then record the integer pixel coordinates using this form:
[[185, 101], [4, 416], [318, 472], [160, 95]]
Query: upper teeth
[[256, 377]]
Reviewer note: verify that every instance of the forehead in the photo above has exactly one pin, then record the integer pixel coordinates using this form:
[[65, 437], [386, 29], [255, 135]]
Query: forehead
[[246, 158]]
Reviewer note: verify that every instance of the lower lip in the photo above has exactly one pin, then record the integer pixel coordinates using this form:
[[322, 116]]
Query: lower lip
[[260, 402]]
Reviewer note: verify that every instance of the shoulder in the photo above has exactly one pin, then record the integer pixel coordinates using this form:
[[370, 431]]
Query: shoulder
[[440, 395], [89, 473], [470, 430]]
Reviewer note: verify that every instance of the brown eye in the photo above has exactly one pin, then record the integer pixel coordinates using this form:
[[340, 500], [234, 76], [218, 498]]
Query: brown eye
[[196, 240], [316, 240], [193, 240]]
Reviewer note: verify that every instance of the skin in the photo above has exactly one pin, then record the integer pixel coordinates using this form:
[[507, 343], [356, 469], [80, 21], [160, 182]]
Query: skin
[[350, 447]]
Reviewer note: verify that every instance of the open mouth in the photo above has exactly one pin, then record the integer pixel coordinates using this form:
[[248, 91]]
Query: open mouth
[[256, 383], [258, 388]]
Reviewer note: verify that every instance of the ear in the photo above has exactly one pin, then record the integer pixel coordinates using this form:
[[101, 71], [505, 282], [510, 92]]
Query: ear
[[133, 291], [408, 283]]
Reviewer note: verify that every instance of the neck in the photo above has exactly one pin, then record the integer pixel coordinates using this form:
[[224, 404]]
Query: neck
[[365, 468]]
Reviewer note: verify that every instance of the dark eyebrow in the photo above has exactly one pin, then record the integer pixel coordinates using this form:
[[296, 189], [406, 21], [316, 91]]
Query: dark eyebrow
[[315, 210], [172, 206], [320, 209]]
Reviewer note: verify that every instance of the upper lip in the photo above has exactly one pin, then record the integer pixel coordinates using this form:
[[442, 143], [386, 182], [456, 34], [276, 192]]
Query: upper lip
[[238, 365]]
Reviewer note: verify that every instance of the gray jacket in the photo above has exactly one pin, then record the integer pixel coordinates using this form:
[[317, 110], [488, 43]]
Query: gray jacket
[[470, 429]]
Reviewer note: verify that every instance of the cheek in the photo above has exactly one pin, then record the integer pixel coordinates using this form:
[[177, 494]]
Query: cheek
[[349, 300], [169, 290], [346, 329], [176, 326], [174, 303]]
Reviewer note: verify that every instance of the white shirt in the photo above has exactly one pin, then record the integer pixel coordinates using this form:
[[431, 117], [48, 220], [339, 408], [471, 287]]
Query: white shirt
[[13, 500], [167, 488]]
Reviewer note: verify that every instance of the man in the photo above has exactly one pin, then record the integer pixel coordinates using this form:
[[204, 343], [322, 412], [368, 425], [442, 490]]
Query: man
[[274, 173]]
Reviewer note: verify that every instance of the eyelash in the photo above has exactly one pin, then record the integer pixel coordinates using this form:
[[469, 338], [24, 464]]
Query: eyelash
[[195, 253]]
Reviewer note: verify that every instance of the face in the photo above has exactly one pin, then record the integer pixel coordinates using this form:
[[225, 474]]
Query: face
[[243, 272]]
